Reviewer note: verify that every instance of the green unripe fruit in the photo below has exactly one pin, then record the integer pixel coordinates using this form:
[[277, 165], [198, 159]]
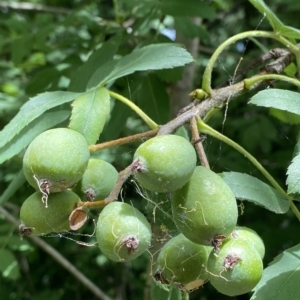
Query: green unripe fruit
[[181, 262], [56, 160], [123, 233], [251, 237], [54, 218], [166, 163], [205, 209], [236, 269], [98, 180]]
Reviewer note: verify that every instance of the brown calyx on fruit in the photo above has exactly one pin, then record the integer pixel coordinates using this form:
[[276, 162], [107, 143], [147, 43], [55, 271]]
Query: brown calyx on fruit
[[131, 243], [44, 185], [217, 242], [90, 194], [24, 230], [230, 261], [138, 166]]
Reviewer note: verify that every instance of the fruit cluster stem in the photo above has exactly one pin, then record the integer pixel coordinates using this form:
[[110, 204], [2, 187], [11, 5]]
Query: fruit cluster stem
[[113, 196], [123, 141], [197, 141], [135, 108]]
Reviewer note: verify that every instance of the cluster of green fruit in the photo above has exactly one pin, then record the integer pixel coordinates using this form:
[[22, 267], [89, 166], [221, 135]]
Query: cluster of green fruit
[[209, 247], [57, 164]]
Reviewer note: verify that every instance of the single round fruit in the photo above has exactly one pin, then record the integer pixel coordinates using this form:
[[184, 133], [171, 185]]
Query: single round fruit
[[56, 160], [42, 220], [165, 163], [181, 262], [251, 237], [123, 233], [98, 180], [236, 269], [205, 209]]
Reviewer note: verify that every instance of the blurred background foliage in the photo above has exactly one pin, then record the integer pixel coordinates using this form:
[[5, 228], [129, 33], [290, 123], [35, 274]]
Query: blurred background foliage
[[41, 48]]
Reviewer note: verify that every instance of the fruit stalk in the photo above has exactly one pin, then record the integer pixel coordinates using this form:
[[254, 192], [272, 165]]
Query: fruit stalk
[[113, 196], [198, 143], [125, 140], [129, 103], [255, 79]]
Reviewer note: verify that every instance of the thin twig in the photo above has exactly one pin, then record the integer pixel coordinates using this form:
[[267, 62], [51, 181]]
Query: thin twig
[[279, 54], [59, 258], [125, 140], [197, 141], [113, 196], [219, 97]]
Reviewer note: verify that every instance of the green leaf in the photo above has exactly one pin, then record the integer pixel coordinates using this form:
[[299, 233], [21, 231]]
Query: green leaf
[[280, 99], [246, 187], [162, 292], [291, 70], [153, 99], [290, 32], [28, 133], [81, 77], [152, 57], [9, 265], [90, 112], [281, 278], [285, 116], [293, 179], [265, 10], [181, 131], [16, 183], [192, 8], [33, 109]]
